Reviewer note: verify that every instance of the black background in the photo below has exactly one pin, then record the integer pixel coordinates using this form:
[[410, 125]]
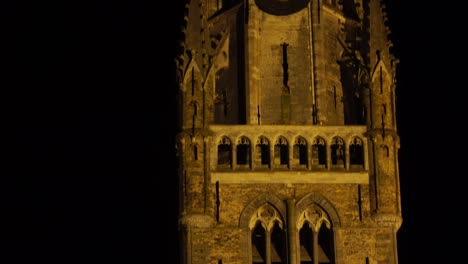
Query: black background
[[91, 98]]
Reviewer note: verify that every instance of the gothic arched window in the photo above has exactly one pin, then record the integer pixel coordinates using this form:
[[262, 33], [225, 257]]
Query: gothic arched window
[[243, 151], [262, 152], [385, 151], [268, 237], [338, 152], [195, 152], [356, 152], [258, 244], [300, 156], [225, 153], [281, 152], [319, 153], [316, 244]]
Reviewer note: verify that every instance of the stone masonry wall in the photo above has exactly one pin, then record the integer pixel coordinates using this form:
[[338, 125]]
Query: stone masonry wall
[[276, 31]]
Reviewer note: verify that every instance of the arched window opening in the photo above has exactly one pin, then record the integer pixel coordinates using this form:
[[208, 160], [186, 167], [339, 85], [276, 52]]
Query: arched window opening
[[319, 153], [385, 151], [325, 244], [356, 153], [278, 246], [258, 244], [315, 237], [306, 244], [268, 238], [195, 152], [300, 152], [262, 152], [281, 153], [338, 153], [225, 153], [243, 152]]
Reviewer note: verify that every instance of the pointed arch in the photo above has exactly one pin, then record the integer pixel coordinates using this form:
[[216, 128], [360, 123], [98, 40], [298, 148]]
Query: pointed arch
[[315, 222], [337, 148], [221, 58], [379, 65], [322, 202], [356, 151], [281, 152], [224, 152], [267, 230], [300, 152], [243, 151], [262, 152], [319, 153], [256, 203], [192, 65]]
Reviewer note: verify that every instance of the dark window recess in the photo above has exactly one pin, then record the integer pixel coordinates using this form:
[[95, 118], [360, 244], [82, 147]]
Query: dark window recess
[[319, 152], [281, 152], [243, 151], [243, 154], [278, 247], [224, 152], [195, 153], [306, 244], [325, 244], [265, 154], [338, 152], [258, 244], [356, 152], [300, 151]]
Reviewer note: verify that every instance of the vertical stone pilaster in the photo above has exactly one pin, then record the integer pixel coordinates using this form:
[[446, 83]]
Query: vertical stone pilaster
[[292, 230], [338, 242]]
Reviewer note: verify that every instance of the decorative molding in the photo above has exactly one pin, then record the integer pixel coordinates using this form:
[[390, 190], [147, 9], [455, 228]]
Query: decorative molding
[[255, 204], [323, 203]]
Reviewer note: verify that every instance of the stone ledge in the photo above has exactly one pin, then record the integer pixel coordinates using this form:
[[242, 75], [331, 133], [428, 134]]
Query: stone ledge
[[289, 177]]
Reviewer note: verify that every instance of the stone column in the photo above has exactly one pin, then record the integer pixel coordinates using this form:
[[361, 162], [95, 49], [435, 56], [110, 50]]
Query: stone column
[[272, 155], [292, 230], [234, 156], [347, 158], [268, 247], [315, 249]]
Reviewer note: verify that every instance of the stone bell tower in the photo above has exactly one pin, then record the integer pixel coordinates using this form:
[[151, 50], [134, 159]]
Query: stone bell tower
[[287, 144]]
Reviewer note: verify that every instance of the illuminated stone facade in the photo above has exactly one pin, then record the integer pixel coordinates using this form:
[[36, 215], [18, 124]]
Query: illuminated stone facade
[[288, 145]]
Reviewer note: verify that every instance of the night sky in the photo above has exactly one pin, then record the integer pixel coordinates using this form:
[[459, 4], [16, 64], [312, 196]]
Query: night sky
[[91, 100]]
